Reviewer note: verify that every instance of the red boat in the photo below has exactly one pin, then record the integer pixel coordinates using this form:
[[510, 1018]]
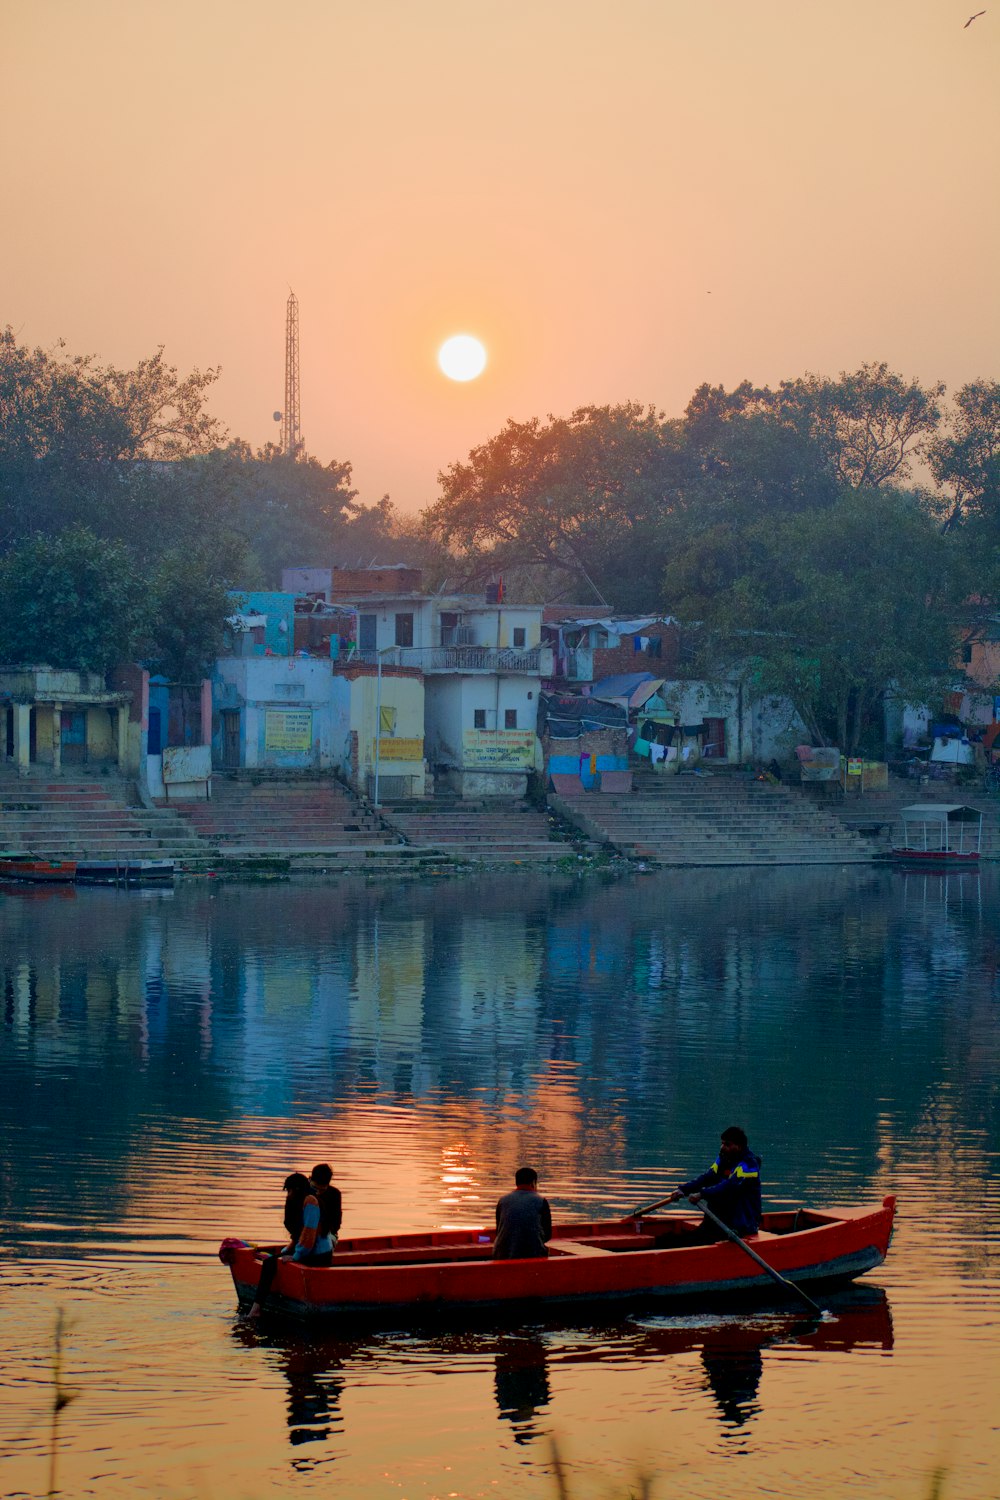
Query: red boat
[[29, 867], [624, 1260]]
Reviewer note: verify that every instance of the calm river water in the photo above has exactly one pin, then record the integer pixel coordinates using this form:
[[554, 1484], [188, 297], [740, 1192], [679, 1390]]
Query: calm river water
[[167, 1057]]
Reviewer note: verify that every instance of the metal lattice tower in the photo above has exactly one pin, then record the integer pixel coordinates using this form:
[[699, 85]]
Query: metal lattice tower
[[291, 428]]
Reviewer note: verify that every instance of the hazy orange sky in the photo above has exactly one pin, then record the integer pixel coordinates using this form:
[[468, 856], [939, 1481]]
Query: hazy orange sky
[[620, 199]]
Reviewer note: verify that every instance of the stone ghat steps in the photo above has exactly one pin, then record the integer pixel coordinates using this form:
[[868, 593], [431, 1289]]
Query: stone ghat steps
[[478, 827], [85, 822], [718, 820], [303, 816]]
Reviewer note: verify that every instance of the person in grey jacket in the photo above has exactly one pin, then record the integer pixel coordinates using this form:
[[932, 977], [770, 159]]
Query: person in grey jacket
[[524, 1220]]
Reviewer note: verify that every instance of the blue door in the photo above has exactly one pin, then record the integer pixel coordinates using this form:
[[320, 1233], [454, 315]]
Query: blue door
[[154, 739]]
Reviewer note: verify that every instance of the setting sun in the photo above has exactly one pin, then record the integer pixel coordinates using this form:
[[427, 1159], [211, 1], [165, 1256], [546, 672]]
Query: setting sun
[[462, 357]]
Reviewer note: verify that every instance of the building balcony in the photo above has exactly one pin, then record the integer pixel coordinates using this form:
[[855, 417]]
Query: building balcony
[[533, 662]]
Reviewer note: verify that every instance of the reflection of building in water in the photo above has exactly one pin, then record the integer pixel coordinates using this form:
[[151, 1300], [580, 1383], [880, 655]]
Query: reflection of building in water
[[445, 1004], [386, 1015], [521, 1382]]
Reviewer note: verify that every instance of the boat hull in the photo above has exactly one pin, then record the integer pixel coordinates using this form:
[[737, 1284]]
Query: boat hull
[[38, 870], [408, 1275], [126, 872]]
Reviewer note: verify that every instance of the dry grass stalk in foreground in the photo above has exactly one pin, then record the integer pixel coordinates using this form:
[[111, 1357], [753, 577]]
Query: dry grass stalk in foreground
[[61, 1397]]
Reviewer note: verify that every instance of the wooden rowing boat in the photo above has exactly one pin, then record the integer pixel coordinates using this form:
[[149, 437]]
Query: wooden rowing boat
[[31, 867], [632, 1260]]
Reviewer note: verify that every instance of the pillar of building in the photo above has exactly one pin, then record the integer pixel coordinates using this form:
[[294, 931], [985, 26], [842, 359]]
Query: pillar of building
[[206, 711], [122, 736], [22, 737], [57, 737]]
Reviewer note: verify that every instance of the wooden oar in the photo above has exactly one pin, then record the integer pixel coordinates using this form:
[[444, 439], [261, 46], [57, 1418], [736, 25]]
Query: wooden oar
[[774, 1275], [637, 1213]]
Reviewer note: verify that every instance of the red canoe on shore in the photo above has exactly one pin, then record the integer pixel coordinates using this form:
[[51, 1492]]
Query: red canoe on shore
[[623, 1260]]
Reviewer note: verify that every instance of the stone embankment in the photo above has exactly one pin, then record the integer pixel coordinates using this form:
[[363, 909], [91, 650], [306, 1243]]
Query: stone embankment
[[719, 818], [260, 826]]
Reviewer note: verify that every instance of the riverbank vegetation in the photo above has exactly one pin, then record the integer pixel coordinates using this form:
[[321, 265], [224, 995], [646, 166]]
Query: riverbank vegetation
[[826, 540]]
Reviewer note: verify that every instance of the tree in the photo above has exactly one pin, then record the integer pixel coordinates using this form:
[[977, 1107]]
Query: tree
[[833, 609], [189, 603], [870, 425], [576, 499], [80, 440], [70, 600], [965, 458]]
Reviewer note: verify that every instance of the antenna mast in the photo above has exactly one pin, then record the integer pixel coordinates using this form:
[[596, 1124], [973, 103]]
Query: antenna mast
[[291, 430]]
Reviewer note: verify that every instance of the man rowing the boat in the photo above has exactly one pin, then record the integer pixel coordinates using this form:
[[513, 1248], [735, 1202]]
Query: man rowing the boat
[[730, 1187], [524, 1220]]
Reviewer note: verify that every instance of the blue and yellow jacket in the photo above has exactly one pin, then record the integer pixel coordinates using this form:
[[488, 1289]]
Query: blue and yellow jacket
[[733, 1193]]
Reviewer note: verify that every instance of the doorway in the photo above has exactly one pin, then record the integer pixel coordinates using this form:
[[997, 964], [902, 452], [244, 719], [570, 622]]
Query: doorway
[[230, 739]]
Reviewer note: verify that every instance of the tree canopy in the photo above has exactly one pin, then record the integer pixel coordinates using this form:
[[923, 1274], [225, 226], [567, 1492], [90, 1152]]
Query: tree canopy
[[774, 521], [70, 600]]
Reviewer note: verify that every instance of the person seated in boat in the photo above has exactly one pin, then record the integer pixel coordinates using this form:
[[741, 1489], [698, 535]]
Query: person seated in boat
[[730, 1187], [524, 1220], [297, 1188], [330, 1204]]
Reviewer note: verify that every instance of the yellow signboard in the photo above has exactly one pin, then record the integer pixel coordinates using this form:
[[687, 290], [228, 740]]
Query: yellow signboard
[[502, 749], [288, 728], [399, 749]]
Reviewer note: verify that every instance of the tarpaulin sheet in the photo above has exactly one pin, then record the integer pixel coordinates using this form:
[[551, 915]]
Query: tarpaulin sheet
[[632, 688], [567, 717]]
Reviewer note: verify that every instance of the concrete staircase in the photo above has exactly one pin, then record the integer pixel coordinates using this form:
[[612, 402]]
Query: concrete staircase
[[248, 814], [88, 817], [477, 828], [722, 819]]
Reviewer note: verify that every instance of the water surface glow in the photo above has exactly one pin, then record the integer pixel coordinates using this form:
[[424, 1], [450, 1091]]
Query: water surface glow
[[166, 1058]]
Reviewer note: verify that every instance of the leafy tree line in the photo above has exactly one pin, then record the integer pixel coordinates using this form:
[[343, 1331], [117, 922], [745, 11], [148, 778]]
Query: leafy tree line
[[126, 513], [824, 538], [785, 525]]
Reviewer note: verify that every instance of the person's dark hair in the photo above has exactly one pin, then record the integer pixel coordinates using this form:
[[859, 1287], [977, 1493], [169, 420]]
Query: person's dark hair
[[322, 1174], [736, 1135], [525, 1177], [298, 1187]]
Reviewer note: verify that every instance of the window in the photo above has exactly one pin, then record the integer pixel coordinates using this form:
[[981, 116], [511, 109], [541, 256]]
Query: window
[[967, 651], [520, 637], [510, 718], [479, 718], [404, 630], [367, 628], [386, 720]]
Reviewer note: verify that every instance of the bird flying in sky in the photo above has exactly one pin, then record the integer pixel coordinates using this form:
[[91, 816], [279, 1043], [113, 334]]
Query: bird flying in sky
[[973, 18]]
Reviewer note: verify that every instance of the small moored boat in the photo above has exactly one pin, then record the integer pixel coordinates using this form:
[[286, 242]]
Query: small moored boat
[[125, 872], [26, 866], [625, 1260], [939, 833]]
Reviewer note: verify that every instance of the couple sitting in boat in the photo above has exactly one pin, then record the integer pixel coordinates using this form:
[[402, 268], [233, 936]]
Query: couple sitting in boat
[[730, 1187], [312, 1218]]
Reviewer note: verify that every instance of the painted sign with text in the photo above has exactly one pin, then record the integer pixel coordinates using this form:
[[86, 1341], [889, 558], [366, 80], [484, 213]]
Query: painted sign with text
[[391, 748], [500, 749], [288, 728]]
